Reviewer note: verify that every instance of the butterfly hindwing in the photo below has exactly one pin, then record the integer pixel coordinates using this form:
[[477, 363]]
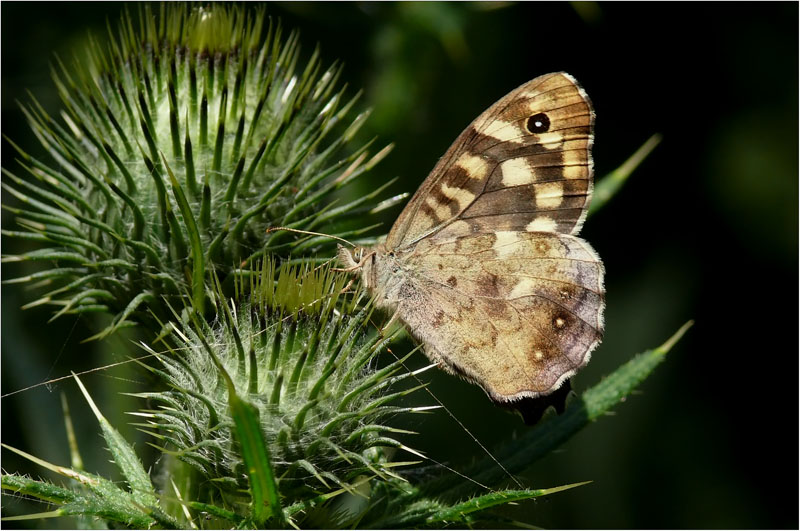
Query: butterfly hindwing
[[516, 312], [523, 165]]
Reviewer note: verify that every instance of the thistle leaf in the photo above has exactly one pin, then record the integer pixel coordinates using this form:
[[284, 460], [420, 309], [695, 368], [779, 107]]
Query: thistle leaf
[[124, 456], [609, 185]]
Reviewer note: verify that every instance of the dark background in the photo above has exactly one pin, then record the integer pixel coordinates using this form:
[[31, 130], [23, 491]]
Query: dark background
[[706, 229]]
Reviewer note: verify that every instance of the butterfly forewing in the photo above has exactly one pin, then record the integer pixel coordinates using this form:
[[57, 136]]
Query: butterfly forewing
[[523, 165]]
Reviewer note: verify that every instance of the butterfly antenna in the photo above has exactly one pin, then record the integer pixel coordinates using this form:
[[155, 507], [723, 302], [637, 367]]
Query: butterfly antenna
[[310, 233]]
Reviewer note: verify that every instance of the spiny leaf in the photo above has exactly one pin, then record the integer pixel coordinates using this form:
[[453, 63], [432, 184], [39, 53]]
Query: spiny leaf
[[124, 455], [458, 512], [609, 185]]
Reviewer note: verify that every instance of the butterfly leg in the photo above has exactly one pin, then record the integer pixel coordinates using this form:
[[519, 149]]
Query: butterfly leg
[[346, 269], [347, 287]]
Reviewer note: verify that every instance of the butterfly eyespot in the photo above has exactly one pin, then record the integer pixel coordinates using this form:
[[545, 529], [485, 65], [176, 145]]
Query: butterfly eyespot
[[538, 123]]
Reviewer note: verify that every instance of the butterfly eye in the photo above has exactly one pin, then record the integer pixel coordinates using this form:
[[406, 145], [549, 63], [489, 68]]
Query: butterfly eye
[[538, 123]]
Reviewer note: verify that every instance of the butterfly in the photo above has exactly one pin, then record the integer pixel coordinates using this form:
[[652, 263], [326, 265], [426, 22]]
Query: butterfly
[[484, 266]]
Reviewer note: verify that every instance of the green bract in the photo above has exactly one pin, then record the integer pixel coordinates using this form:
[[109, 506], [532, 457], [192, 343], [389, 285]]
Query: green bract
[[182, 140], [297, 353]]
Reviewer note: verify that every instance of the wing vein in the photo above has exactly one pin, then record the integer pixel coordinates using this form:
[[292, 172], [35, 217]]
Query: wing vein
[[487, 297]]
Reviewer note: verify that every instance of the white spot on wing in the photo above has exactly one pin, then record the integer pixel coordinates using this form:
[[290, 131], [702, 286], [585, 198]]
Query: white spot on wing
[[476, 167], [551, 140], [442, 211], [459, 195], [549, 195], [574, 172], [542, 224], [516, 172], [505, 243], [505, 132], [523, 288]]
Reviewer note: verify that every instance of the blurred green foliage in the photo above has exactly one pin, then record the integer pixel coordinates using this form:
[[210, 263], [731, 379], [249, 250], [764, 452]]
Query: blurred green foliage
[[707, 228]]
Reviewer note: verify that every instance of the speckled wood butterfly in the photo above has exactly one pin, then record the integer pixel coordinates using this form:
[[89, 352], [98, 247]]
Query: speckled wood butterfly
[[483, 266]]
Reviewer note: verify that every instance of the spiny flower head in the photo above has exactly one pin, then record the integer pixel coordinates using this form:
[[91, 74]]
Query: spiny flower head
[[181, 141], [297, 350]]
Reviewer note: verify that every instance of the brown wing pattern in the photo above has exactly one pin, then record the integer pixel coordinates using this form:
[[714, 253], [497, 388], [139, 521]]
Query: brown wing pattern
[[516, 312], [523, 165]]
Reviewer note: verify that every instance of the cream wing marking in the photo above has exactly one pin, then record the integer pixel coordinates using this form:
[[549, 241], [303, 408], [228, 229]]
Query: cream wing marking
[[496, 152]]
